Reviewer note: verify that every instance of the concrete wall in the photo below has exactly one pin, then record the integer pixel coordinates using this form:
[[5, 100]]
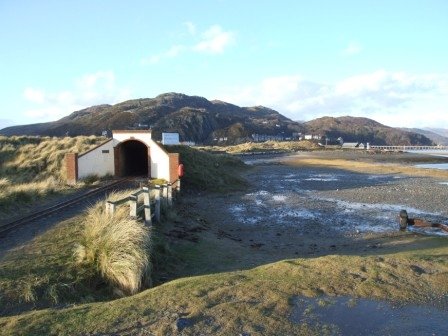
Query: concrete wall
[[163, 164], [160, 162], [98, 161], [143, 136]]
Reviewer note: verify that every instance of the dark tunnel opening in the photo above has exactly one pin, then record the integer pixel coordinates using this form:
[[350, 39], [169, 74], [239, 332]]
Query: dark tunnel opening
[[133, 160]]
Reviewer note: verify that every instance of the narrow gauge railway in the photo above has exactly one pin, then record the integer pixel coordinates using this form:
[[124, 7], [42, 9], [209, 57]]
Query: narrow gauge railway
[[8, 227]]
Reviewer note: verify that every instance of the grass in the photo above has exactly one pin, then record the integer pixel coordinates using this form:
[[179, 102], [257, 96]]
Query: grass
[[42, 272], [253, 147], [116, 247], [210, 172], [32, 168], [255, 301], [90, 257]]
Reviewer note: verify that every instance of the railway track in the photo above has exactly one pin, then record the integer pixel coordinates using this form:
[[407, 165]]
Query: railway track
[[5, 228]]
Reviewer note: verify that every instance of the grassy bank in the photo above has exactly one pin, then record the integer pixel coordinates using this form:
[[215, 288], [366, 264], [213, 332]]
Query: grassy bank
[[211, 172], [256, 301], [32, 168]]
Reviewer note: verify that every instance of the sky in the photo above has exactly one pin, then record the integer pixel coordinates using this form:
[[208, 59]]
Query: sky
[[384, 60]]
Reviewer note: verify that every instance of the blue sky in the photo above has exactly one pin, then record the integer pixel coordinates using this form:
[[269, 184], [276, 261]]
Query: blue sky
[[385, 60]]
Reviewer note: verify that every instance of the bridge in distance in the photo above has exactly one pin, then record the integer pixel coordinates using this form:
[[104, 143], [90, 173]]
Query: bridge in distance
[[429, 150]]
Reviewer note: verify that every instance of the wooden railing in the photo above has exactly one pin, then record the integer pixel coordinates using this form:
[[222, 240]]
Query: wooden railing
[[155, 199]]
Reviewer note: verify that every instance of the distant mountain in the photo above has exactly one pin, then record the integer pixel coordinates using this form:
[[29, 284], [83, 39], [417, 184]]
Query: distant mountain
[[435, 137], [440, 131], [354, 129], [194, 118], [212, 122]]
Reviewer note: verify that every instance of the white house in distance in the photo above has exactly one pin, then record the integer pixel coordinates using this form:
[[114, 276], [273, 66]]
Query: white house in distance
[[128, 153]]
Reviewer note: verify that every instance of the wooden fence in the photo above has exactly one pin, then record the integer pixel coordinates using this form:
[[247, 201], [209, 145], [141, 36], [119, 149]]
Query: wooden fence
[[155, 199]]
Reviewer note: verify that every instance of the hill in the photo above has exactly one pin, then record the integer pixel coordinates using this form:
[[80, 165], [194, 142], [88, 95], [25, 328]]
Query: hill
[[195, 118], [437, 138], [353, 129], [212, 123]]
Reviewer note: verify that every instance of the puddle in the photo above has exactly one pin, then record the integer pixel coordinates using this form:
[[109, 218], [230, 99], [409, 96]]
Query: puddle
[[322, 178], [444, 183], [236, 208], [378, 206], [282, 204], [297, 214], [350, 316], [443, 166], [279, 198]]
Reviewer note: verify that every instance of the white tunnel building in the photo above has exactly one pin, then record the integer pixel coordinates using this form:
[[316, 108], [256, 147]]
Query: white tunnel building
[[128, 153]]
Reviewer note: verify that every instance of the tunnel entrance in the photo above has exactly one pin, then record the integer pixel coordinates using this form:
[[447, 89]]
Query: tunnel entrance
[[131, 159]]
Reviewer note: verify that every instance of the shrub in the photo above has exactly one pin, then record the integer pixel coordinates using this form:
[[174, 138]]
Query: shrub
[[116, 247]]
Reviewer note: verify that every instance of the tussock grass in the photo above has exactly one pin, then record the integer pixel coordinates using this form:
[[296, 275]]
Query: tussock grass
[[33, 168], [116, 247], [212, 172]]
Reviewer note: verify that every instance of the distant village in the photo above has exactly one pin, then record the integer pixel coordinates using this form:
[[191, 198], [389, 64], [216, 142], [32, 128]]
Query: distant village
[[321, 140]]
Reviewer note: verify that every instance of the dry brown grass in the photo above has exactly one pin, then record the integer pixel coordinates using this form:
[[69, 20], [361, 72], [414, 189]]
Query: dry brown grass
[[33, 167], [377, 168], [116, 247], [27, 159], [267, 146]]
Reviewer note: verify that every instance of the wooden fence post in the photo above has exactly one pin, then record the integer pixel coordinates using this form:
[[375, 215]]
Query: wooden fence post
[[170, 195], [147, 206], [110, 208], [157, 208], [165, 196], [133, 206]]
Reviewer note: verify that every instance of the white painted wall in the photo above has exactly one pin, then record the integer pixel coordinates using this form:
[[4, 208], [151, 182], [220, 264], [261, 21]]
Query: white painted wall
[[96, 162], [121, 136], [160, 161]]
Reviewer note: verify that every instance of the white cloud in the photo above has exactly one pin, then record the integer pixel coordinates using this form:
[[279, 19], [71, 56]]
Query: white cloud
[[214, 40], [352, 48], [90, 89], [392, 98], [33, 95]]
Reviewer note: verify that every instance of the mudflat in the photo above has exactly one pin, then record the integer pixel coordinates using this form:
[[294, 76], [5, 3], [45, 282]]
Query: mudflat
[[312, 204]]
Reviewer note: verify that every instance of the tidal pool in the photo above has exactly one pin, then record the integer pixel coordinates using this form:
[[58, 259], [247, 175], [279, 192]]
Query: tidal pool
[[354, 316]]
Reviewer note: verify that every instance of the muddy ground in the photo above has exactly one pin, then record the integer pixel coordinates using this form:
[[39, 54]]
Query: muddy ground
[[292, 210]]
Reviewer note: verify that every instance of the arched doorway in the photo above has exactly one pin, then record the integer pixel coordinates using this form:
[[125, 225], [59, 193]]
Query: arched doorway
[[132, 159]]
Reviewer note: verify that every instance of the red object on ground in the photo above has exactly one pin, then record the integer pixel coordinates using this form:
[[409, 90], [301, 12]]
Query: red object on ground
[[180, 170]]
